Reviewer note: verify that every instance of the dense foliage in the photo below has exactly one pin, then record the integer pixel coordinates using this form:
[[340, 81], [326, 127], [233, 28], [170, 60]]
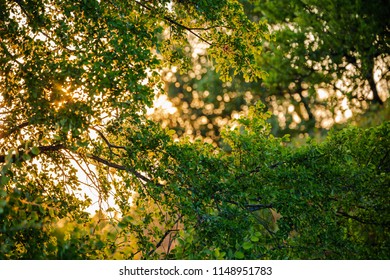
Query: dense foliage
[[328, 63], [75, 83], [330, 58]]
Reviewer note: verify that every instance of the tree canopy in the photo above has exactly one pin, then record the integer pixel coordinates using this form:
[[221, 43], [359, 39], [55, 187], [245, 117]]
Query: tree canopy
[[76, 80], [328, 63], [328, 55]]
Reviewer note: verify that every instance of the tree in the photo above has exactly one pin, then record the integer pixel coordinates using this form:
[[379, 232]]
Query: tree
[[328, 63], [76, 81], [75, 76], [320, 201], [331, 55]]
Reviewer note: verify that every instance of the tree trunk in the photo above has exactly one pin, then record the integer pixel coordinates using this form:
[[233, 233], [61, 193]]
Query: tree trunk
[[376, 99]]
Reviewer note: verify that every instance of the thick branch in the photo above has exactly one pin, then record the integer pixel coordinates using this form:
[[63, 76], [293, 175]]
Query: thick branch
[[255, 207], [18, 157], [371, 82], [168, 232], [13, 129]]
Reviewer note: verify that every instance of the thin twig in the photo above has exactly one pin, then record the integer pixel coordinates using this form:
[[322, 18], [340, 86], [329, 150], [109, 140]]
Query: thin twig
[[168, 232], [170, 20]]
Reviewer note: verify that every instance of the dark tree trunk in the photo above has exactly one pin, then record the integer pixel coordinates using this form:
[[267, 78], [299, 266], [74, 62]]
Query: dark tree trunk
[[376, 97]]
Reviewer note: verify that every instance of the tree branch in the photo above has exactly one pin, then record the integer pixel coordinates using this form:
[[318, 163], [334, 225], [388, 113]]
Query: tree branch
[[14, 58], [360, 220], [109, 144], [252, 207], [31, 19], [122, 167], [168, 232], [13, 129], [18, 157], [258, 168], [170, 20]]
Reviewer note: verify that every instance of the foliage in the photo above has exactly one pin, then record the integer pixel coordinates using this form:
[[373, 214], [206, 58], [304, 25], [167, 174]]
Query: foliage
[[335, 46], [76, 81], [74, 76], [321, 201], [328, 63]]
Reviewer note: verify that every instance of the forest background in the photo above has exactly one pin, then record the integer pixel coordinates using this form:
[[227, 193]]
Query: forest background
[[198, 129]]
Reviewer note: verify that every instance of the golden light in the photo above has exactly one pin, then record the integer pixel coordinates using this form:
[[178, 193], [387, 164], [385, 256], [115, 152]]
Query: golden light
[[162, 104], [322, 94]]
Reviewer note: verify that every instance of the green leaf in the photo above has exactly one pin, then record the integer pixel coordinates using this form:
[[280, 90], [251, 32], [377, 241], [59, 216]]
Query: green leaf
[[254, 238], [26, 157], [35, 150], [4, 180], [239, 255], [247, 245], [122, 225]]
